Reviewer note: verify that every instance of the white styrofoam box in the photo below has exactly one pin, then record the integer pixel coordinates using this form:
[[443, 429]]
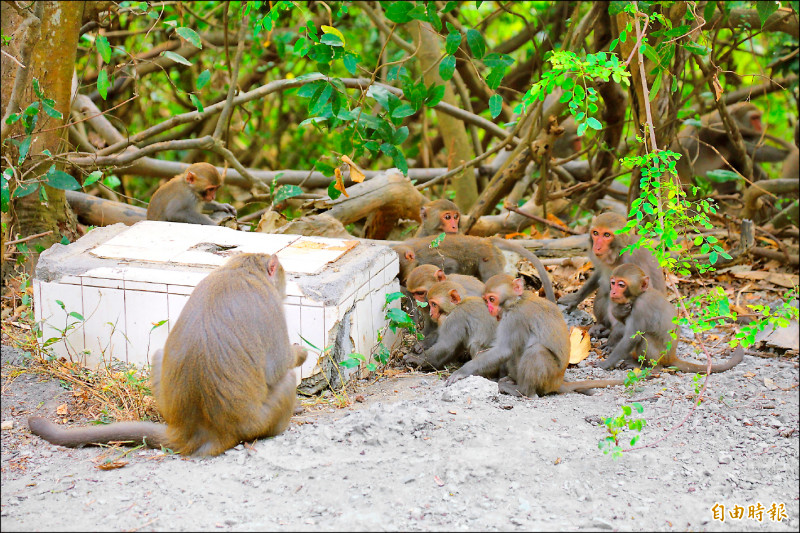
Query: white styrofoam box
[[125, 280]]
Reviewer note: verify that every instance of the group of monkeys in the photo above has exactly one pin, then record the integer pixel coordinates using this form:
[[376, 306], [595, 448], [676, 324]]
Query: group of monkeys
[[477, 312]]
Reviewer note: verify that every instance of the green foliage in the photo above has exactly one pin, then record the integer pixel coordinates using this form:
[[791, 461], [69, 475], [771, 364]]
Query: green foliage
[[616, 425], [778, 318]]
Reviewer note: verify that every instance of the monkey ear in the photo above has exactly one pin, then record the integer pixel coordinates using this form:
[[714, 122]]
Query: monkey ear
[[454, 296], [191, 177], [645, 283], [440, 275], [519, 286], [273, 265], [423, 214], [409, 255]]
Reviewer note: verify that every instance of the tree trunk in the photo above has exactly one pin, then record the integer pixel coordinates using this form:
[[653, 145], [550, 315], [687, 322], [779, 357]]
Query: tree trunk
[[454, 132], [52, 63]]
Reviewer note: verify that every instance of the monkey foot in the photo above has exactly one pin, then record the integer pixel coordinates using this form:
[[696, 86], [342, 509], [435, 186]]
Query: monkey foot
[[507, 386], [599, 331]]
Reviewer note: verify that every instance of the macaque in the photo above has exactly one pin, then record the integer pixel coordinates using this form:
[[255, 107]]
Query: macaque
[[644, 324], [791, 167], [442, 216], [438, 216], [711, 148], [531, 340], [468, 255], [605, 255], [223, 377], [465, 326], [569, 142], [184, 197], [421, 279]]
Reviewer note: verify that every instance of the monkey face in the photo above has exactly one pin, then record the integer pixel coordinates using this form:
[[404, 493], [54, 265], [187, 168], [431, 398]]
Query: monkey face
[[210, 193], [619, 290], [602, 239], [449, 221], [493, 304]]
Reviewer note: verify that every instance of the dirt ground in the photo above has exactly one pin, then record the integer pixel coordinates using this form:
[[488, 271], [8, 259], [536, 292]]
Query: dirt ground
[[415, 455]]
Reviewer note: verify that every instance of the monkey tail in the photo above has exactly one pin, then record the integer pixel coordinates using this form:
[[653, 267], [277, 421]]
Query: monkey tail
[[686, 366], [150, 433], [504, 244], [585, 386]]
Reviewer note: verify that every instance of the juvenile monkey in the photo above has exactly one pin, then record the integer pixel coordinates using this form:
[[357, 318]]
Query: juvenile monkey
[[531, 341], [438, 216], [604, 252], [222, 377], [645, 324], [423, 278], [182, 198], [465, 326]]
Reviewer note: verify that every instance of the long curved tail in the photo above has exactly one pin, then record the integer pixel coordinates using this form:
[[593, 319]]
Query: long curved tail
[[510, 246], [585, 386], [150, 433], [686, 366]]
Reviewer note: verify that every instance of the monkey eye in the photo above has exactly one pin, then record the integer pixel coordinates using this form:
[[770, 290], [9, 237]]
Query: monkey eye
[[595, 233], [419, 293], [606, 235]]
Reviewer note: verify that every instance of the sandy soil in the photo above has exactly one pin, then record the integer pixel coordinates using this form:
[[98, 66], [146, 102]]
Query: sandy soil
[[416, 455]]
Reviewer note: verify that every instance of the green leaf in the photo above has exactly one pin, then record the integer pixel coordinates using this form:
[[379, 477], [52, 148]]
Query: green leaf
[[350, 62], [59, 179], [393, 296], [398, 12], [190, 35], [103, 48], [350, 363], [476, 43], [24, 148], [37, 88], [79, 316], [495, 105], [721, 176], [447, 67], [5, 192], [400, 135], [320, 98], [495, 77], [93, 177], [695, 48], [765, 9], [50, 110], [159, 324], [103, 84], [452, 42], [331, 39], [418, 13], [435, 95], [177, 58], [285, 192], [594, 123], [32, 109], [203, 79], [449, 6], [196, 101], [13, 117], [25, 189], [333, 192], [398, 316], [402, 111]]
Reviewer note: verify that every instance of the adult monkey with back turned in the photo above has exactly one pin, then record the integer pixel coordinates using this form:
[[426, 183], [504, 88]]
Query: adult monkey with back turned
[[604, 251], [223, 377], [531, 342], [182, 198], [644, 324], [462, 254]]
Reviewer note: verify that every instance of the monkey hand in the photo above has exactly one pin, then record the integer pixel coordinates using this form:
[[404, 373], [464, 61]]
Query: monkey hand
[[228, 208], [608, 363], [570, 301], [455, 376], [599, 331], [413, 360]]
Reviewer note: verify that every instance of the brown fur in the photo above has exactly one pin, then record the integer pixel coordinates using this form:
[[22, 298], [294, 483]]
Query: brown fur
[[182, 198], [645, 325], [602, 231], [225, 374], [532, 342], [438, 216]]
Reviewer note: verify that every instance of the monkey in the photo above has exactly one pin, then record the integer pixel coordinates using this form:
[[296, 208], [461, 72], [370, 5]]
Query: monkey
[[645, 324], [223, 377], [604, 252], [182, 198], [438, 216], [465, 325], [417, 285], [710, 148], [442, 216], [531, 341], [568, 142]]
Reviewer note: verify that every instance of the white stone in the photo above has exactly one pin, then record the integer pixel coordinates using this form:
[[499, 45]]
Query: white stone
[[125, 280]]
